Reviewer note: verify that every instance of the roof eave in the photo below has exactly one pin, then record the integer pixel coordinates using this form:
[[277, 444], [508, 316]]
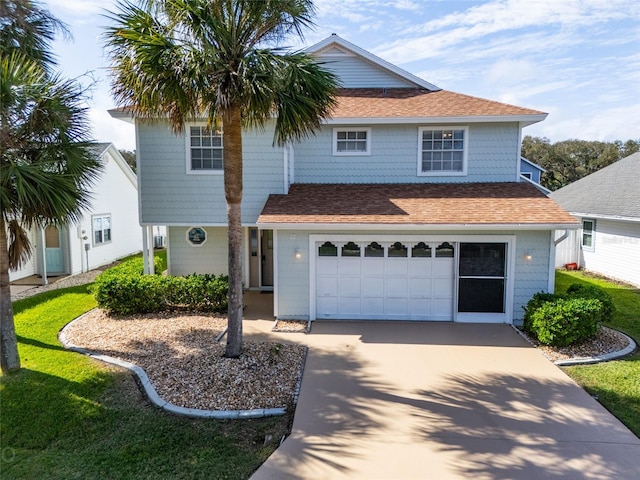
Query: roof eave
[[120, 114], [524, 120], [413, 226]]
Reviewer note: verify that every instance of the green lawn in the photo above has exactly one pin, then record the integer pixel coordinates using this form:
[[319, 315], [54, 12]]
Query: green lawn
[[67, 416], [615, 383]]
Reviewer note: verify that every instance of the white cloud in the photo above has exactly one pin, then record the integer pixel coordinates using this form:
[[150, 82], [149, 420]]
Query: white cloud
[[81, 8]]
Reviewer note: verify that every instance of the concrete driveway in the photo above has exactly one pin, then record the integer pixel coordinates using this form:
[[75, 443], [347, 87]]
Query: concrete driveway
[[402, 400]]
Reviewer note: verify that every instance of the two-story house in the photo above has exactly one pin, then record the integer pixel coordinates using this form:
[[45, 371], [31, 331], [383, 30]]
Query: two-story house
[[408, 204]]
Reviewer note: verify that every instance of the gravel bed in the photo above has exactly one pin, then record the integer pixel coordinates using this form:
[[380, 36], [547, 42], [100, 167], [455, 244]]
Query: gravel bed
[[185, 364], [605, 341], [291, 326]]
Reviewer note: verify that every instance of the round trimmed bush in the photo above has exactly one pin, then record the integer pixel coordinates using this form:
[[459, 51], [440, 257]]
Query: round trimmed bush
[[535, 303], [577, 290], [566, 321]]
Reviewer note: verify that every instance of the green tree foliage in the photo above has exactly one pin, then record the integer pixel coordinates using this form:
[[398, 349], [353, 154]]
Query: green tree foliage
[[570, 160], [219, 59], [129, 157], [46, 165]]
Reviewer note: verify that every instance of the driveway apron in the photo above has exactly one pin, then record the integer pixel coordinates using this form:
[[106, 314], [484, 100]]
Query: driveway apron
[[404, 400]]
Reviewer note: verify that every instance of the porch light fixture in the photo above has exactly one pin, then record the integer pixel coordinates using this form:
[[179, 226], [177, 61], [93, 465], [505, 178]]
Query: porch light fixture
[[297, 254], [527, 256]]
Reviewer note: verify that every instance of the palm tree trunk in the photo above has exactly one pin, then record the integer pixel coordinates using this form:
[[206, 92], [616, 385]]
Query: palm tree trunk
[[232, 141], [9, 358]]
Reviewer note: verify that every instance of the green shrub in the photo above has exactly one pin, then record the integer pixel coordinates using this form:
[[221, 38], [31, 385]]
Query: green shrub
[[124, 290], [566, 320], [535, 303], [577, 290]]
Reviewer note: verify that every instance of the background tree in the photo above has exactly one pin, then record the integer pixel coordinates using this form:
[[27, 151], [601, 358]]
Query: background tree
[[129, 157], [570, 160], [218, 59], [45, 162]]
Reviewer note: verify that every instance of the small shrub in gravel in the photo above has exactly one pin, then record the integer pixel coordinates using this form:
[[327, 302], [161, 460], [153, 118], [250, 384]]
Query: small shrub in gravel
[[577, 290], [566, 321], [534, 304]]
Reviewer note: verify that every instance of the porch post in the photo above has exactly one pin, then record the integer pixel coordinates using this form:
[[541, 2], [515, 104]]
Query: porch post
[[150, 256], [145, 251], [43, 248]]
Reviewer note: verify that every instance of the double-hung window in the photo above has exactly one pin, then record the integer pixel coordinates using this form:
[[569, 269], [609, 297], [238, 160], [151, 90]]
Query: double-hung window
[[205, 153], [442, 150], [588, 231], [351, 141], [101, 226]]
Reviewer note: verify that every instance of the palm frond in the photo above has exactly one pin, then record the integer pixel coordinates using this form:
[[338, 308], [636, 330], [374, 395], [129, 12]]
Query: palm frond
[[20, 248]]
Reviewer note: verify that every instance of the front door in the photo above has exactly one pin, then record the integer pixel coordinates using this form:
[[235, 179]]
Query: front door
[[53, 250]]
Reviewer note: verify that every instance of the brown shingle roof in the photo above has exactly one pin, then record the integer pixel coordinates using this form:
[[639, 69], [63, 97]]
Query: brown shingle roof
[[414, 204], [408, 102]]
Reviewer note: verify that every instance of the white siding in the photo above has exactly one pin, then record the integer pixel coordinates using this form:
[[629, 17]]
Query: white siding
[[493, 156], [355, 72], [531, 276], [210, 257], [30, 268], [616, 251], [171, 196]]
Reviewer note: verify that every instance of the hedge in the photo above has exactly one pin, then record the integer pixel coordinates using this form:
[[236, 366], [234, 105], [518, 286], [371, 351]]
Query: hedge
[[566, 321], [124, 290], [561, 320]]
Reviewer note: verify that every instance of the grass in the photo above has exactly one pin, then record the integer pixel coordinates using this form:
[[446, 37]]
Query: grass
[[617, 383], [65, 416]]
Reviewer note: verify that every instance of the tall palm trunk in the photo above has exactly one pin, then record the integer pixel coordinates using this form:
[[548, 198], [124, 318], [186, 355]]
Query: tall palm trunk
[[9, 359], [232, 141]]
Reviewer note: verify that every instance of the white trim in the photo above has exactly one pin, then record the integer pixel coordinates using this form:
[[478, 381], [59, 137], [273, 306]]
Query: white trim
[[93, 232], [246, 234], [605, 217], [335, 39], [444, 173], [361, 227], [334, 142], [592, 247], [510, 240], [551, 281], [526, 175], [187, 144], [523, 119], [275, 273]]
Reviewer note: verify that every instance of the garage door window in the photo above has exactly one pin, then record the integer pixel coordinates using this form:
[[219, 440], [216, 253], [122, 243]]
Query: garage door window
[[444, 250], [350, 250], [421, 249], [397, 249], [374, 249], [328, 249]]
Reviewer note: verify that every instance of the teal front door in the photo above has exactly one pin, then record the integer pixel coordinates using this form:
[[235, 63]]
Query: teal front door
[[53, 251]]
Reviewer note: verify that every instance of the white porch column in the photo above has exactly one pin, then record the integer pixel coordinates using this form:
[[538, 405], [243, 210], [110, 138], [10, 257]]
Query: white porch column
[[145, 251], [43, 249], [150, 256]]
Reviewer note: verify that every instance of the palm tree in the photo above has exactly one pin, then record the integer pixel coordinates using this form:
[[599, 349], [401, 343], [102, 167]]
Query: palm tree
[[188, 59], [45, 161]]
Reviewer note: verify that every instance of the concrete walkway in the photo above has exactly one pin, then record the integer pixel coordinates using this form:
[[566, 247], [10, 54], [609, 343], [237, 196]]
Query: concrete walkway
[[402, 400]]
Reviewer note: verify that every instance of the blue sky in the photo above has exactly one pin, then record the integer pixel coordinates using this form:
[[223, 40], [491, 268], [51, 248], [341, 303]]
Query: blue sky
[[578, 60]]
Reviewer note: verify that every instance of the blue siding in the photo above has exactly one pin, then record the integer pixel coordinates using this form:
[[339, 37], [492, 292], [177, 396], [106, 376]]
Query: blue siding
[[171, 196], [355, 72], [526, 167], [493, 156]]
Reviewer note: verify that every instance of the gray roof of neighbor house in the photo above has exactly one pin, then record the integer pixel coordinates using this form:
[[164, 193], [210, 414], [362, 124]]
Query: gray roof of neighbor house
[[613, 191]]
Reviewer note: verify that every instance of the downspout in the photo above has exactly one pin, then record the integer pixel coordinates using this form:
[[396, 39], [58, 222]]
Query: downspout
[[561, 238]]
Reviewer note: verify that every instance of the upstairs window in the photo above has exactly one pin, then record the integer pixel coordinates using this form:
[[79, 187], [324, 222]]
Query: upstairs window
[[205, 150], [442, 151], [101, 226], [351, 141]]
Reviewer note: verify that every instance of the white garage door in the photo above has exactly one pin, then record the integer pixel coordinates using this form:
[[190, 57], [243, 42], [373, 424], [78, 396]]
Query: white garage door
[[401, 280]]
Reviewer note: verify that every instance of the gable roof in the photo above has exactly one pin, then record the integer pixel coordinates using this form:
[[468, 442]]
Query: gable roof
[[424, 105], [335, 45], [610, 192], [433, 205]]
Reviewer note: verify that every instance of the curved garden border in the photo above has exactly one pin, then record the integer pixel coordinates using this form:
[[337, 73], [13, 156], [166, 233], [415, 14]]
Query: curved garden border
[[155, 399]]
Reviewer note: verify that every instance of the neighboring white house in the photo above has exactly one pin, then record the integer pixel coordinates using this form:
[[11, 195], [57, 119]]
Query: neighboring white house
[[408, 204], [109, 230], [607, 203]]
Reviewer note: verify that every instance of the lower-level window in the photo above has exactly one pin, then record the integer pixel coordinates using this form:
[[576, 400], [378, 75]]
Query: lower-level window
[[101, 225], [588, 229]]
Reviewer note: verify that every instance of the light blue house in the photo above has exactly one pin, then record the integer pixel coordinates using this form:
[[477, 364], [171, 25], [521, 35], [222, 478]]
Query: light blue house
[[408, 204]]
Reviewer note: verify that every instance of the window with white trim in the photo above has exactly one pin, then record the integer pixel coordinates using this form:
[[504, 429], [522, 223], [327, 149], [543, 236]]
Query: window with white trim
[[588, 232], [351, 141], [101, 227], [442, 150], [205, 152]]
